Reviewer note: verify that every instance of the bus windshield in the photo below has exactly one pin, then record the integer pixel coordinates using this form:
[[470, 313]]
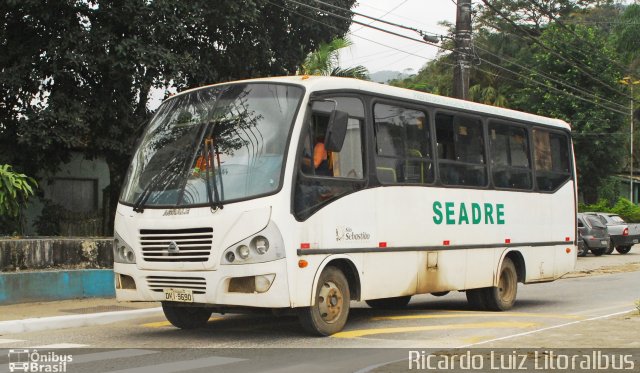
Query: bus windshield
[[213, 145]]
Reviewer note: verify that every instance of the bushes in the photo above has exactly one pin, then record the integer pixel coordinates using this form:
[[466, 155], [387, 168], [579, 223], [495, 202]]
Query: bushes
[[623, 207]]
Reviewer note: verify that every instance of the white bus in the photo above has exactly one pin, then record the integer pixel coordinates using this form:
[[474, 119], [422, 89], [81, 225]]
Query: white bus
[[305, 193]]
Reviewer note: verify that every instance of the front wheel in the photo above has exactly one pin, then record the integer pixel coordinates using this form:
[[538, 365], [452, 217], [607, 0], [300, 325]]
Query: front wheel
[[389, 303], [330, 310], [503, 296], [623, 249], [186, 317]]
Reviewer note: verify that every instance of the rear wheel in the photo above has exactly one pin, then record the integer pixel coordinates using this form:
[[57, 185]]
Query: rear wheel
[[582, 249], [623, 249], [503, 296], [475, 297], [598, 252], [389, 303], [329, 313], [186, 317]]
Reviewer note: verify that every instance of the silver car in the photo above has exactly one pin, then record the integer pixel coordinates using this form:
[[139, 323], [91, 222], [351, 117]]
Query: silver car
[[593, 234]]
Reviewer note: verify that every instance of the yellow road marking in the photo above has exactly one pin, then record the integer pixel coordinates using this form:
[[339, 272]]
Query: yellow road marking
[[476, 314], [160, 324], [156, 324], [410, 329]]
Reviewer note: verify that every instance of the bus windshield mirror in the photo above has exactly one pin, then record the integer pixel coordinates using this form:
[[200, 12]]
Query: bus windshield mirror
[[336, 131]]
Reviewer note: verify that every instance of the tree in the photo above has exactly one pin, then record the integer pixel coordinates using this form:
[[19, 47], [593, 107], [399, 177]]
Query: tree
[[597, 130], [79, 75], [15, 190], [325, 61]]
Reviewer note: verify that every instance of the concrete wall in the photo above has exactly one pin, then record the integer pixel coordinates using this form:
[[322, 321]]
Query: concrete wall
[[81, 268], [55, 252], [22, 287]]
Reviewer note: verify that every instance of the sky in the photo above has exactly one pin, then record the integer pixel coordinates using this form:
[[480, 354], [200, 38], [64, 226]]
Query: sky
[[379, 51]]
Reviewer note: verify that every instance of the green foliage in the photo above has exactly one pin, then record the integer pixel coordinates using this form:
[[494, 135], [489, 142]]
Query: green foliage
[[48, 223], [325, 61], [623, 207], [15, 189], [597, 131], [79, 75]]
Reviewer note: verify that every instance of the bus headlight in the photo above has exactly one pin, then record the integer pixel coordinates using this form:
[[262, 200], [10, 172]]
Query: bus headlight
[[260, 244], [243, 251], [122, 252], [264, 246]]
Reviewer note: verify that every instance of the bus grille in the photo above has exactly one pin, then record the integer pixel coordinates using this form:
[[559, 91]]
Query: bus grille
[[197, 284], [176, 245]]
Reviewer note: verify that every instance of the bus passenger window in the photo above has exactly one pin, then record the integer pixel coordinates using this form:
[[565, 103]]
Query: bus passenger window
[[510, 163], [403, 149], [552, 163], [460, 142]]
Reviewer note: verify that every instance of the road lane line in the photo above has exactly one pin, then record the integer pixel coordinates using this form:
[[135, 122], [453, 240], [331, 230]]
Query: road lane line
[[471, 314], [58, 345], [111, 355], [547, 328], [410, 329], [161, 324], [180, 366]]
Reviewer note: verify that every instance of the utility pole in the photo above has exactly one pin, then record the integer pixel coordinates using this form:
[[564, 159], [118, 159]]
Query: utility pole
[[629, 81], [463, 50]]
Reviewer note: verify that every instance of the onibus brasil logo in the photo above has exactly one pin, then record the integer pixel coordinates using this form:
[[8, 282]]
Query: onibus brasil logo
[[23, 360]]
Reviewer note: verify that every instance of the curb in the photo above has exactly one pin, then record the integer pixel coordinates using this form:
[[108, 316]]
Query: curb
[[73, 321], [38, 286]]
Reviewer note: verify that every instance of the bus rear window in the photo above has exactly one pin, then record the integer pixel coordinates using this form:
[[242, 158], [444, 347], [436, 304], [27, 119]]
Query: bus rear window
[[552, 163]]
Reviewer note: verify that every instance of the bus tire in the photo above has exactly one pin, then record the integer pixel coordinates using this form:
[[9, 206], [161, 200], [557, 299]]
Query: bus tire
[[329, 313], [186, 317], [598, 252], [389, 303], [503, 296], [623, 249], [475, 297]]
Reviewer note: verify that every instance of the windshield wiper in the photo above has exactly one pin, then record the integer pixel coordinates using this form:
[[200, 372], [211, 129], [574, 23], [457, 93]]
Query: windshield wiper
[[138, 206], [209, 152]]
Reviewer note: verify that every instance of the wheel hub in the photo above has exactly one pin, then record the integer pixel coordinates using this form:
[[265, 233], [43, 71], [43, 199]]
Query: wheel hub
[[330, 302]]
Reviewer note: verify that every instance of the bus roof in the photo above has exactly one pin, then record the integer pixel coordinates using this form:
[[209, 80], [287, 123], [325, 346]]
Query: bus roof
[[328, 83]]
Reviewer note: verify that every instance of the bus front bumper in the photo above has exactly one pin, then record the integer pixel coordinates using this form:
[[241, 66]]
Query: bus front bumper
[[251, 285]]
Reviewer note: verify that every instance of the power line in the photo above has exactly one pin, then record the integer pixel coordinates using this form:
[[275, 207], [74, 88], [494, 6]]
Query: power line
[[441, 47], [535, 40], [362, 23], [390, 10], [561, 24], [567, 85]]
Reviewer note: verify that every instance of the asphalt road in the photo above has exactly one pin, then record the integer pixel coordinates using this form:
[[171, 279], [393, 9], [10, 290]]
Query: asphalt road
[[371, 337]]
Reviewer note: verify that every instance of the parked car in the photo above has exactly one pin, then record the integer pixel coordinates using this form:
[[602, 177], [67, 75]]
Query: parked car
[[623, 235], [593, 234], [582, 247]]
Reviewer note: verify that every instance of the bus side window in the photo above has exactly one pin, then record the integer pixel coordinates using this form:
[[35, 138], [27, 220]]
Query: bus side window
[[460, 144], [551, 159], [403, 151], [510, 163]]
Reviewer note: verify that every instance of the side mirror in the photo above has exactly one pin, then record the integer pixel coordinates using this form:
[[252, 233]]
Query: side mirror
[[336, 131]]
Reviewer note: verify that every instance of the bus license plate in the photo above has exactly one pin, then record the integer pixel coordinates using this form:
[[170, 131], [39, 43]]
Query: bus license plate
[[178, 295]]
